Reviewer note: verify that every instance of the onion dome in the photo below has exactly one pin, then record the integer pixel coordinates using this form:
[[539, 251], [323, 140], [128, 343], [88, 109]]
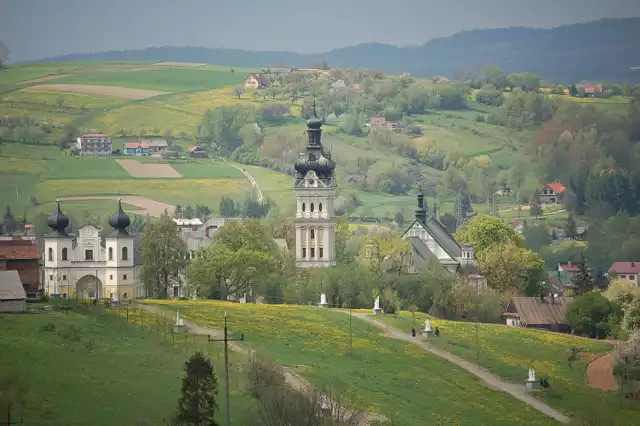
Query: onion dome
[[325, 165], [119, 221], [58, 221], [301, 165], [314, 123]]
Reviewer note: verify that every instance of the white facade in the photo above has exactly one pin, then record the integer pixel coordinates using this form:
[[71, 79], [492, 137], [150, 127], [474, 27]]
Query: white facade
[[80, 267], [418, 230], [315, 223], [96, 144]]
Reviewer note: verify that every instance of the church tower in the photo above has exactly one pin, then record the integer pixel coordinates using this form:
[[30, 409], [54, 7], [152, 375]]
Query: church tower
[[119, 270], [315, 190], [58, 254]]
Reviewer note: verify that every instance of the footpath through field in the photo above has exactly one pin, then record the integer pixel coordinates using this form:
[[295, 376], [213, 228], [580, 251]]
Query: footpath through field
[[254, 183], [493, 381], [295, 381]]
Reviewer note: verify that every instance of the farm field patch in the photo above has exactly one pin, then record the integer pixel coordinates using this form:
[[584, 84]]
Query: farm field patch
[[168, 191], [163, 79], [84, 168], [415, 388], [148, 170], [206, 169], [119, 92]]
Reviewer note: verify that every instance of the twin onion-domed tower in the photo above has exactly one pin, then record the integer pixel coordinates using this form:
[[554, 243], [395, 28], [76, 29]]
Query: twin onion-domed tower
[[87, 266], [315, 191]]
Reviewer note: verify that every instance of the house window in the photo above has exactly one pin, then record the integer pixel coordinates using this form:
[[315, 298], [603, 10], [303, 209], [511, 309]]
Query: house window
[[92, 294], [313, 252], [176, 291], [50, 254], [88, 255], [311, 207], [64, 253], [64, 278], [313, 234], [304, 253], [125, 253], [124, 276], [624, 277], [110, 277], [50, 277], [110, 253], [320, 207], [321, 254], [304, 207]]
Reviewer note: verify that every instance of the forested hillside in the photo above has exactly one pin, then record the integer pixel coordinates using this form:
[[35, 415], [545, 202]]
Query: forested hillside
[[601, 50]]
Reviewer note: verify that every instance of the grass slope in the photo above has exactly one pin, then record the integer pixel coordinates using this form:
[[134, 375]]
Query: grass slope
[[97, 369], [165, 80], [509, 352], [382, 375]]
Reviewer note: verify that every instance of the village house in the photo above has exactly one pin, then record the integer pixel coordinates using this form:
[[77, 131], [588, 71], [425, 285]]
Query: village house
[[552, 193], [12, 295], [338, 85], [157, 146], [376, 121], [281, 70], [256, 81], [197, 152], [536, 312], [629, 271], [590, 90], [394, 126], [96, 144], [136, 148], [23, 256]]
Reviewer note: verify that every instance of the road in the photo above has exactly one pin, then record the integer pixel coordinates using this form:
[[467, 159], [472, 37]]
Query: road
[[517, 391], [254, 184]]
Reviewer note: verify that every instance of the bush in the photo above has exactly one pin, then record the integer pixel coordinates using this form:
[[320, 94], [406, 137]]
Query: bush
[[592, 315]]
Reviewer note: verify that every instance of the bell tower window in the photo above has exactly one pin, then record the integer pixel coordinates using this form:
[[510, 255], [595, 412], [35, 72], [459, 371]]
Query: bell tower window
[[125, 253], [320, 207], [50, 254], [304, 207], [313, 234], [110, 253], [64, 253], [311, 207]]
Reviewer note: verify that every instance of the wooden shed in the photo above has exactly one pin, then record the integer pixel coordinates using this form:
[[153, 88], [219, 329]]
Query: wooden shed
[[12, 295], [535, 312]]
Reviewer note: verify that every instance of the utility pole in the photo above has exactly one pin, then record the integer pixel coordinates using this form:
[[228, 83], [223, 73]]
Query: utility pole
[[8, 422], [226, 341]]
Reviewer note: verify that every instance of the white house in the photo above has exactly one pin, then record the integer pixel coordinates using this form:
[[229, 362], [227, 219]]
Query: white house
[[96, 144]]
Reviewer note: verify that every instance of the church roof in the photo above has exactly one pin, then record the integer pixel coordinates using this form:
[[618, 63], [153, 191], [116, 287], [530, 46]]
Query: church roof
[[441, 235], [58, 222]]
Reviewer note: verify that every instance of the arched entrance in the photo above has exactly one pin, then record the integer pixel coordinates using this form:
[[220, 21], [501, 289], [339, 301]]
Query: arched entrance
[[88, 287]]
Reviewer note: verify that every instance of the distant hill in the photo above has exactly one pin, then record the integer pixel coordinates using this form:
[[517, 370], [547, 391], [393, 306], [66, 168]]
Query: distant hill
[[601, 50]]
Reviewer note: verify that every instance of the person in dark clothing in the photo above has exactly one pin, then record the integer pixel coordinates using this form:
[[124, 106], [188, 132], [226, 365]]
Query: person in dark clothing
[[437, 332], [413, 332]]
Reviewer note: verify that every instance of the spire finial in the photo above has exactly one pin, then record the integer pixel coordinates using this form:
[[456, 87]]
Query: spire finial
[[314, 107]]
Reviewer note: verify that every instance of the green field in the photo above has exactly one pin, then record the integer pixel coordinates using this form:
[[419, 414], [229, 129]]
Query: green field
[[164, 80], [84, 168], [92, 368], [206, 169], [508, 352], [413, 387]]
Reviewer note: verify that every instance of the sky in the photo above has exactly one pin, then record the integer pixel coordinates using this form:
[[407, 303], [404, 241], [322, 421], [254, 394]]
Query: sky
[[35, 29]]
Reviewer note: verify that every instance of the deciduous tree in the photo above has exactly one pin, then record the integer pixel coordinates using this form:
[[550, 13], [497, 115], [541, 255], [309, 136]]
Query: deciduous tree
[[507, 266], [483, 232], [164, 255]]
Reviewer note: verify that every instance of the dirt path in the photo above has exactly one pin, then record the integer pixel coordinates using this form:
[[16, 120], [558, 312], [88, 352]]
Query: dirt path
[[295, 381], [600, 373], [254, 183], [517, 391], [147, 205]]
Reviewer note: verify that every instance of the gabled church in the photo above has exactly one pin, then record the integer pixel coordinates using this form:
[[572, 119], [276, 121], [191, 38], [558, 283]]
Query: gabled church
[[314, 187], [430, 240]]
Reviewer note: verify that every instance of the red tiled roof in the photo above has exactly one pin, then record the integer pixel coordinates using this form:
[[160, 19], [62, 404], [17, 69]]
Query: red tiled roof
[[17, 250], [569, 267], [377, 120], [135, 145], [625, 268], [608, 170], [557, 187]]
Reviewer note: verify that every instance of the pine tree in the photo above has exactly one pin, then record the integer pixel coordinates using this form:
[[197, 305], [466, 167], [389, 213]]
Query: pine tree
[[535, 208], [582, 280], [197, 402], [573, 90], [570, 229], [554, 236], [10, 223]]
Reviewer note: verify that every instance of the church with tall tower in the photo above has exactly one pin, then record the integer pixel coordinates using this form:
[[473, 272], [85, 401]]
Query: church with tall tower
[[88, 265], [315, 187]]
